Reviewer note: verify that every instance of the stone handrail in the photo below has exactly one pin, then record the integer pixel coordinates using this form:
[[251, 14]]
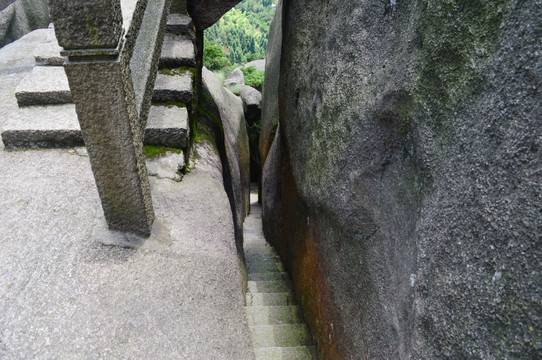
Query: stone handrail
[[112, 49]]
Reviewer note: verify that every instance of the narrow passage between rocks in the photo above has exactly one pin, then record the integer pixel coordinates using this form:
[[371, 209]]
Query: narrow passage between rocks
[[276, 321]]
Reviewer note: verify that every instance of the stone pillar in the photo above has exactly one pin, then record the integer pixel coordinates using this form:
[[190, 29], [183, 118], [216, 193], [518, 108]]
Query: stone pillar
[[91, 34]]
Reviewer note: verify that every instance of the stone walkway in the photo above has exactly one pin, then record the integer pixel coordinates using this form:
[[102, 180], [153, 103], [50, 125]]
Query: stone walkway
[[276, 321]]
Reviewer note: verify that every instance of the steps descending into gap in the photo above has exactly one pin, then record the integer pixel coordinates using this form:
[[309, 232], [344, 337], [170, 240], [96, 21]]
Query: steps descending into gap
[[276, 321]]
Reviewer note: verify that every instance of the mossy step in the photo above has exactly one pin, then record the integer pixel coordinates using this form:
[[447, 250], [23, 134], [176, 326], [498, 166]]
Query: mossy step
[[280, 335], [177, 51], [274, 315], [270, 299], [268, 286], [286, 353], [176, 88]]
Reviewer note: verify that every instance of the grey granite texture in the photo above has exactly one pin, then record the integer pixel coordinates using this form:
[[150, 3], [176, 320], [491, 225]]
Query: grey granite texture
[[258, 64], [411, 211], [179, 24], [206, 12], [56, 126], [176, 88], [235, 78], [270, 92], [81, 24], [168, 166], [177, 51], [109, 121], [63, 295], [43, 86], [47, 52], [18, 17], [252, 101], [167, 126]]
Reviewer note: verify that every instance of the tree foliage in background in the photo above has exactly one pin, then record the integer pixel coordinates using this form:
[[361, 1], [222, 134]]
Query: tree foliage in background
[[241, 34], [253, 77]]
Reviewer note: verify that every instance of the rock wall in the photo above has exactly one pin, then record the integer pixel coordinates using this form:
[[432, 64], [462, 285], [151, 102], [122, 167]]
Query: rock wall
[[18, 17], [404, 185]]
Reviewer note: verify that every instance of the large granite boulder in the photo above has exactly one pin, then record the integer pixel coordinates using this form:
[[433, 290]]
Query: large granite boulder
[[410, 214], [222, 119], [270, 91], [252, 101], [18, 17], [206, 12], [258, 64], [235, 78]]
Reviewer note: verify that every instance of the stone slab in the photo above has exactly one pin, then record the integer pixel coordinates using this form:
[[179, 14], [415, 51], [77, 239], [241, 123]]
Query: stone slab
[[180, 24], [44, 85], [274, 315], [176, 88], [287, 353], [47, 52], [56, 126], [167, 126], [280, 335], [168, 166], [177, 51]]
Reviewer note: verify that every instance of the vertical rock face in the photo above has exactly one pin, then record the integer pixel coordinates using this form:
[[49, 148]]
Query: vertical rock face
[[404, 187]]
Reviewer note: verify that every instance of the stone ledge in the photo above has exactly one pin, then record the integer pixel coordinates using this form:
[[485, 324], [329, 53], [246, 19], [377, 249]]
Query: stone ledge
[[44, 85], [176, 88], [177, 51]]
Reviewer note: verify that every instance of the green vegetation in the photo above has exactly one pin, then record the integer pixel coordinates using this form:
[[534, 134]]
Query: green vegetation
[[240, 35], [179, 71], [253, 77], [153, 151]]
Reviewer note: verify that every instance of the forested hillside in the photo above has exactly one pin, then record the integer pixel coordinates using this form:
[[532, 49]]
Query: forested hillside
[[240, 35]]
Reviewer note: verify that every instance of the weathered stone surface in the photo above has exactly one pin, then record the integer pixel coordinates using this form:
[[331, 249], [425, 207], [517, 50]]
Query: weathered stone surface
[[206, 12], [177, 51], [48, 51], [42, 126], [83, 24], [180, 24], [410, 213], [18, 17], [258, 64], [252, 100], [57, 126], [167, 166], [111, 302], [235, 78], [173, 88], [224, 121], [43, 86], [270, 92], [167, 126]]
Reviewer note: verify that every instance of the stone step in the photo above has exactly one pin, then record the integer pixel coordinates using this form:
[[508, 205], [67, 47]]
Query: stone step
[[267, 266], [47, 51], [173, 88], [274, 315], [44, 85], [167, 126], [180, 24], [266, 276], [280, 335], [270, 299], [56, 126], [286, 353], [268, 286], [177, 51]]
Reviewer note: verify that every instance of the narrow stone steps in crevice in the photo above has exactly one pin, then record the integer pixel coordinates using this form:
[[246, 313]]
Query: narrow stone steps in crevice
[[275, 319]]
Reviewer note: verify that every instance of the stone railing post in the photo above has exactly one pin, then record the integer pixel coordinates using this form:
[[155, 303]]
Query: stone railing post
[[91, 33]]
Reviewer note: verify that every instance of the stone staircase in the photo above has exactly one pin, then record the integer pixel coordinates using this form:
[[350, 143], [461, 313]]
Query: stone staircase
[[46, 116], [276, 321]]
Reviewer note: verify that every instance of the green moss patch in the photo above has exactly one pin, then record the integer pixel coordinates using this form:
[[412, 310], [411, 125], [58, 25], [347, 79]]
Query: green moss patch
[[151, 151], [179, 71]]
